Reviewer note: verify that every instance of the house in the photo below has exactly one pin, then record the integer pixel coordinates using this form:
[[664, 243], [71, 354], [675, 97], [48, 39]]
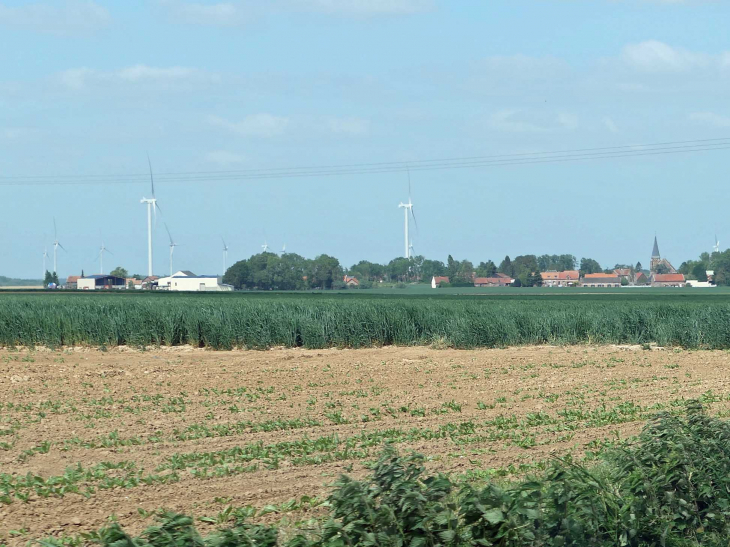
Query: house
[[496, 281], [668, 280], [624, 273], [640, 279], [351, 281], [567, 278], [97, 282], [71, 281], [600, 280], [149, 282], [437, 280], [185, 280], [136, 283]]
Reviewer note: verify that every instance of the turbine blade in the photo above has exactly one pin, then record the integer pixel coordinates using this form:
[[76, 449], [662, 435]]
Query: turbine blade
[[409, 184], [414, 218], [152, 180], [169, 234], [62, 247], [55, 233]]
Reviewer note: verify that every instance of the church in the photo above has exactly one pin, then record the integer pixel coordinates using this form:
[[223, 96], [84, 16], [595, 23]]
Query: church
[[658, 264]]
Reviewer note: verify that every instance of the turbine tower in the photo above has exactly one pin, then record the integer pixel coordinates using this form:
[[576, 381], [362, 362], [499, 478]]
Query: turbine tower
[[172, 247], [225, 255], [716, 247], [152, 207], [101, 257], [45, 256], [56, 245], [408, 208], [265, 247], [283, 250]]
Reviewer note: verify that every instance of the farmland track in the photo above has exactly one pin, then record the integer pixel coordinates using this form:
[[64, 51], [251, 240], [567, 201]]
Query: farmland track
[[484, 409]]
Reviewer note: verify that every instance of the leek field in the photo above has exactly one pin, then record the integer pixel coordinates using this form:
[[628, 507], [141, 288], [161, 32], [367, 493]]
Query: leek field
[[689, 318]]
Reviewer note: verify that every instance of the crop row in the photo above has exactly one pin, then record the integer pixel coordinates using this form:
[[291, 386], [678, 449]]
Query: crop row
[[207, 321]]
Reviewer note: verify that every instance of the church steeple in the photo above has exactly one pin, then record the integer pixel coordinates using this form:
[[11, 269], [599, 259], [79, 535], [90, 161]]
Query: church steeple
[[655, 251]]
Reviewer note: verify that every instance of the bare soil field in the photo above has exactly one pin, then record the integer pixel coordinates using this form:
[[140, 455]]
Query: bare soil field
[[85, 434]]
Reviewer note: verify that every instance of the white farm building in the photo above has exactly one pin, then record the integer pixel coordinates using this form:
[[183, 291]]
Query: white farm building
[[185, 280]]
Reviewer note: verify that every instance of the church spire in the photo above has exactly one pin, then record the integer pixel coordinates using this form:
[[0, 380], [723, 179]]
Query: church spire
[[655, 251]]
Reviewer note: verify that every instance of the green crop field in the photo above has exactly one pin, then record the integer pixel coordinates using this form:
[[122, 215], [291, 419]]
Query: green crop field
[[460, 318]]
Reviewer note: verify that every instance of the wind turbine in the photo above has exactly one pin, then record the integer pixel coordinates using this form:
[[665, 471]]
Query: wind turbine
[[716, 247], [172, 246], [101, 257], [152, 207], [225, 255], [45, 256], [408, 208], [56, 245], [265, 247], [283, 250]]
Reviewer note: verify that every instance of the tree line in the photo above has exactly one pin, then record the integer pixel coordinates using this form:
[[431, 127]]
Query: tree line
[[290, 271]]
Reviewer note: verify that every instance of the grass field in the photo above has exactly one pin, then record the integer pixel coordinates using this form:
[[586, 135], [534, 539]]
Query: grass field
[[85, 434], [689, 318]]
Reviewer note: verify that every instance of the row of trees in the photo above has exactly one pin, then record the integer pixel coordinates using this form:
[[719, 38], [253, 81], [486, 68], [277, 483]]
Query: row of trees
[[293, 272]]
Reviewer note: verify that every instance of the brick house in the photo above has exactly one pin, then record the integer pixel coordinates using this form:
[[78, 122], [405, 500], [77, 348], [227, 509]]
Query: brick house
[[567, 278]]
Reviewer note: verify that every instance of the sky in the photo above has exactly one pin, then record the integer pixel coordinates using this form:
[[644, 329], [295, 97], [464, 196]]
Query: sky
[[89, 89]]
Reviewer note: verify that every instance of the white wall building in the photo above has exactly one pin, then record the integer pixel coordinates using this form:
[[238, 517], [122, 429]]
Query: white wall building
[[185, 280]]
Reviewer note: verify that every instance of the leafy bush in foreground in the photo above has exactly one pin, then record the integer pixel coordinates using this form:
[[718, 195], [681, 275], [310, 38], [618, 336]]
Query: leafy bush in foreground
[[670, 488]]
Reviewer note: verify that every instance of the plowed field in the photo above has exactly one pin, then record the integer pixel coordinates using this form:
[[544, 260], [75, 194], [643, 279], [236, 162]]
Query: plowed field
[[85, 434]]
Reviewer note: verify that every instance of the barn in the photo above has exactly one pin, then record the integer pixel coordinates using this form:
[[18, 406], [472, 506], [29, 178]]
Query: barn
[[96, 282]]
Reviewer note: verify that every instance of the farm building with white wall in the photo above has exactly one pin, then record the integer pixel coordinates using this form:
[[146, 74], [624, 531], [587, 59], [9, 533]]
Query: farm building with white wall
[[95, 282], [185, 280]]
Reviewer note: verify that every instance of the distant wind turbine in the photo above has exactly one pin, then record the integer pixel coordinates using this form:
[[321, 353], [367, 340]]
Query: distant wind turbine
[[56, 245], [172, 246], [45, 256], [152, 207], [283, 250], [225, 255], [101, 257], [716, 247], [265, 247], [408, 208]]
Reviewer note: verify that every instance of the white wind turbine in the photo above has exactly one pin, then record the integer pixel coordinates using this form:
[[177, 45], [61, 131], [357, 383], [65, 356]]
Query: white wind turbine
[[408, 208], [225, 255], [56, 245], [265, 247], [101, 257], [45, 256], [716, 247], [172, 246], [152, 207], [283, 250]]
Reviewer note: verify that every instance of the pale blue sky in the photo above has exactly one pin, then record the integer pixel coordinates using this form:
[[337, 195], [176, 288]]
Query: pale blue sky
[[89, 88]]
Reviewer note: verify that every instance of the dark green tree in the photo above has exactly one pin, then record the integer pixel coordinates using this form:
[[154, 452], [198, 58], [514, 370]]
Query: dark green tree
[[589, 266], [638, 267], [119, 272], [486, 269], [506, 267]]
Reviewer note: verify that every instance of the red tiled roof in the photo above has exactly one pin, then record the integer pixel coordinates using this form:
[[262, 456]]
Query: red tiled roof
[[669, 278], [441, 279], [600, 274], [622, 271], [73, 278], [560, 276]]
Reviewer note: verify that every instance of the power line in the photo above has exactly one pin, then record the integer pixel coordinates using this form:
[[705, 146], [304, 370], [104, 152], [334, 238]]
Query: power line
[[560, 156]]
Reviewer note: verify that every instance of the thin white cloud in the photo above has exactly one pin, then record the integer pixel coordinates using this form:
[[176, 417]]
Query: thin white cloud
[[364, 7], [224, 158], [710, 118], [71, 18], [217, 14], [610, 125], [655, 56], [255, 125], [79, 78], [567, 120], [349, 126], [516, 120], [505, 120]]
